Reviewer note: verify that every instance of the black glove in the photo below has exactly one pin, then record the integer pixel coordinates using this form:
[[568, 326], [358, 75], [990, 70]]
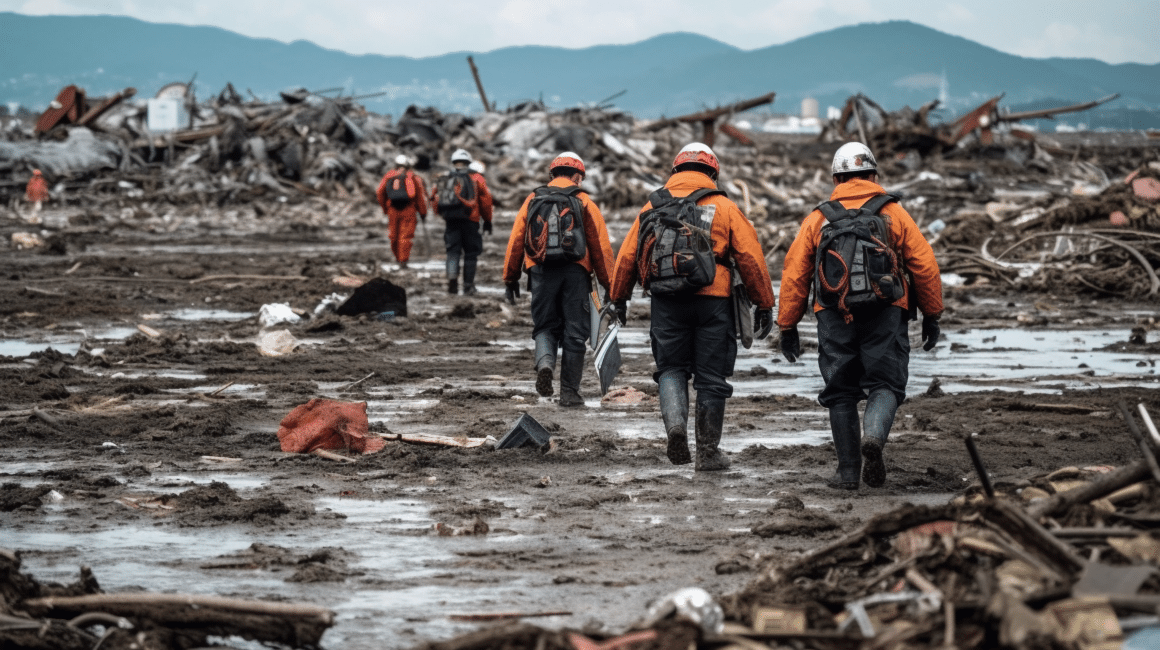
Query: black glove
[[513, 291], [930, 332], [791, 344], [762, 323], [621, 309], [487, 227]]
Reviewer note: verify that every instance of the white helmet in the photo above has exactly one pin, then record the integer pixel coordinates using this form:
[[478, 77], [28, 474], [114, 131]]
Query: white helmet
[[402, 160], [697, 152], [853, 157], [461, 155], [476, 167]]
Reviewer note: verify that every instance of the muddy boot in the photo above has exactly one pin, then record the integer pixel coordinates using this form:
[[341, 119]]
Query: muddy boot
[[844, 427], [571, 370], [545, 363], [880, 408], [710, 419], [674, 392], [469, 277], [453, 276]]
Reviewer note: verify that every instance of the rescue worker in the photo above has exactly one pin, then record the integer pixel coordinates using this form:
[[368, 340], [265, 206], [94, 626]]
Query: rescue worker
[[560, 306], [463, 209], [37, 191], [694, 334], [863, 355], [404, 203]]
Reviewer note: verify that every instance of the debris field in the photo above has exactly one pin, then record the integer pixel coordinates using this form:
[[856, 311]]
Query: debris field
[[179, 298]]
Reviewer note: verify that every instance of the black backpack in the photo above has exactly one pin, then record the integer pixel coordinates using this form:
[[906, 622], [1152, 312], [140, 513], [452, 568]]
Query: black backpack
[[675, 248], [555, 227], [399, 191], [855, 265], [456, 192]]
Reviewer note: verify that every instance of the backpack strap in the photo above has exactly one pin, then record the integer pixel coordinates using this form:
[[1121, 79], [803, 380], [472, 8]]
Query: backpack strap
[[833, 211], [660, 197], [875, 204]]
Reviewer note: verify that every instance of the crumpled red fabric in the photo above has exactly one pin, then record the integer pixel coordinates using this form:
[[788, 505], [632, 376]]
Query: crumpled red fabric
[[327, 424]]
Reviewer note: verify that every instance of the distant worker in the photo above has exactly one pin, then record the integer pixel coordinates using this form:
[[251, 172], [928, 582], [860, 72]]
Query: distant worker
[[560, 239], [869, 265], [688, 269], [37, 191], [404, 200], [461, 197]]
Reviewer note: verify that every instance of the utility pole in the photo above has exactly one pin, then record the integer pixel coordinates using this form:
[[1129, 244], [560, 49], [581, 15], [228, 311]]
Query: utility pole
[[479, 85]]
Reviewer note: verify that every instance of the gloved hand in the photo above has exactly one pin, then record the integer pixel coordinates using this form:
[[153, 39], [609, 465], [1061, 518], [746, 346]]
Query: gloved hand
[[930, 332], [762, 323], [621, 308], [513, 292], [487, 227], [791, 344]]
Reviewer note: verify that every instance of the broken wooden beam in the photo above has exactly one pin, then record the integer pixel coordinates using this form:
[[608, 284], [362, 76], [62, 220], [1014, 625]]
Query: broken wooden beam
[[1100, 487]]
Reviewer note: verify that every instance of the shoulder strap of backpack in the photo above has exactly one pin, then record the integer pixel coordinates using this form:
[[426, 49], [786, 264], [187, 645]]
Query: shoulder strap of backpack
[[660, 197], [697, 195], [833, 211], [875, 204]]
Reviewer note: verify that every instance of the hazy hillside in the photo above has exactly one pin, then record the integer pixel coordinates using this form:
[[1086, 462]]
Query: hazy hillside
[[895, 63]]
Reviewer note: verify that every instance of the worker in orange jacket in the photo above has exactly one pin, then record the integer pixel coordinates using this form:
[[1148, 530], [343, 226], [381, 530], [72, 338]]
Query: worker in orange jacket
[[559, 281], [461, 197], [403, 198], [36, 191], [863, 347], [694, 333]]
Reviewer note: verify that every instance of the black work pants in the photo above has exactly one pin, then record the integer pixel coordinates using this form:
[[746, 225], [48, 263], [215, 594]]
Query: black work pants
[[857, 358], [462, 236], [694, 335], [560, 304]]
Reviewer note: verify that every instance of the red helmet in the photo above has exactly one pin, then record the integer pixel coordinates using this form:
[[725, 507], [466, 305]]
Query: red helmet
[[697, 153], [568, 159], [36, 172]]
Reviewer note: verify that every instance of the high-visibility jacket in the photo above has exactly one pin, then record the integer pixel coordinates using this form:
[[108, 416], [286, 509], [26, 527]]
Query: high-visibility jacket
[[733, 239], [37, 189], [482, 207], [598, 256], [418, 204], [905, 238]]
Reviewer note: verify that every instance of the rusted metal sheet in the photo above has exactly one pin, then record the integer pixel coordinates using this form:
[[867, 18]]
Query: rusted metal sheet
[[65, 105], [982, 118], [736, 133], [98, 110]]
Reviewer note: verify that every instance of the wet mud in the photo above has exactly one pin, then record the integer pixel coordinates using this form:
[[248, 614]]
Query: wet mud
[[119, 451]]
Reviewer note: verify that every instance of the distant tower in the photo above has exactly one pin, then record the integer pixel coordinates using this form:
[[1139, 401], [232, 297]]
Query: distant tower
[[809, 108]]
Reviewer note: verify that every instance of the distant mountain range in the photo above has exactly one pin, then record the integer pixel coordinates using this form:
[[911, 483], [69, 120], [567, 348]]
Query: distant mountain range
[[895, 63]]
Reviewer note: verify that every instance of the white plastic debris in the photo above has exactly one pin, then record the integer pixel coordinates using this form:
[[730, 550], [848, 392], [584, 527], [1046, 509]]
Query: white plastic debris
[[692, 604], [54, 496], [22, 240], [276, 343], [953, 280], [329, 303], [276, 314]]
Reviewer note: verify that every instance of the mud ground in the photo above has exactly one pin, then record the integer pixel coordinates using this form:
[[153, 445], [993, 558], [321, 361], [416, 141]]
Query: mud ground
[[121, 466]]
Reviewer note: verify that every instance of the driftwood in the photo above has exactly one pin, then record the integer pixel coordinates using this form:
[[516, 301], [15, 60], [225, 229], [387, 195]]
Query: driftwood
[[330, 455], [503, 616], [427, 439], [1103, 486], [1138, 437], [288, 623]]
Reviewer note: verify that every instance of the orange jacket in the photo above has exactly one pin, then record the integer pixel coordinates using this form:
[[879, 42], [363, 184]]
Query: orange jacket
[[597, 258], [482, 205], [418, 204], [733, 238], [37, 189], [912, 248]]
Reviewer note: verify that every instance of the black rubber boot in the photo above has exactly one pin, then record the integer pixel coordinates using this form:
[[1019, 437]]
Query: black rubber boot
[[571, 371], [710, 419], [846, 432], [469, 277], [880, 409], [453, 276], [674, 393], [545, 363]]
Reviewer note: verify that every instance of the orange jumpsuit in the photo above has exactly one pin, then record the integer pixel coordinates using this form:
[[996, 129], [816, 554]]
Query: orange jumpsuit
[[37, 189], [905, 238], [401, 221]]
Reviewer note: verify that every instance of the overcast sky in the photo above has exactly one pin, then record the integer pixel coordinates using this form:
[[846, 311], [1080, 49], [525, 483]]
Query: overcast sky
[[1129, 30]]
